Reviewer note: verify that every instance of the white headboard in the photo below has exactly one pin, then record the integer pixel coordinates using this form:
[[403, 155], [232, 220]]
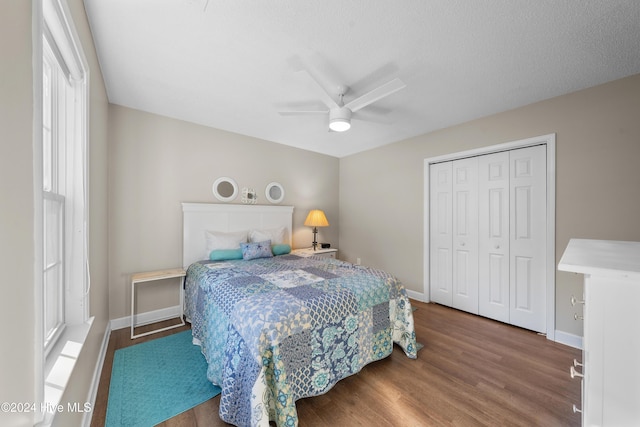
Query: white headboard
[[199, 217]]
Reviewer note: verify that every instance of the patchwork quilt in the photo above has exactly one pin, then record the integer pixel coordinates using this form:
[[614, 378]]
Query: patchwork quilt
[[275, 330]]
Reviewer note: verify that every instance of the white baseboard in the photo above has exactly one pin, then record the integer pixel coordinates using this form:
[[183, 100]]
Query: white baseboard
[[97, 372], [146, 318], [418, 296], [571, 340]]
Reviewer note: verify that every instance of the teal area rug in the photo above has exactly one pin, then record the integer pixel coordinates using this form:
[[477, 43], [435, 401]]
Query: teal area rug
[[156, 380]]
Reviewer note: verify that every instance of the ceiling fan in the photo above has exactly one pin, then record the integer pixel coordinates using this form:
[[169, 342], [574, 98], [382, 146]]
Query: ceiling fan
[[340, 113]]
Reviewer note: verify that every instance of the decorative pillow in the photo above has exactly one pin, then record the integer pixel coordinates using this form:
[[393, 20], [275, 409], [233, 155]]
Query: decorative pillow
[[225, 254], [224, 240], [256, 250], [276, 235], [281, 249]]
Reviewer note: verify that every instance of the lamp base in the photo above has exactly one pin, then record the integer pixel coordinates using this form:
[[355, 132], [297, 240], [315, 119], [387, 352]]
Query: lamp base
[[315, 235]]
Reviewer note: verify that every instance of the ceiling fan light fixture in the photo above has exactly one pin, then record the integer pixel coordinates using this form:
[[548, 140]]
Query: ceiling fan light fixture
[[339, 125], [340, 119]]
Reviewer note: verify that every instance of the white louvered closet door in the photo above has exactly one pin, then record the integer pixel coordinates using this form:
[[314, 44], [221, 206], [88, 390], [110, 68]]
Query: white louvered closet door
[[465, 234], [493, 213], [440, 227]]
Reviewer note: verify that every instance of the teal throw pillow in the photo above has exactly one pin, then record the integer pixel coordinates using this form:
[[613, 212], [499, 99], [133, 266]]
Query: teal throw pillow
[[225, 254], [281, 249]]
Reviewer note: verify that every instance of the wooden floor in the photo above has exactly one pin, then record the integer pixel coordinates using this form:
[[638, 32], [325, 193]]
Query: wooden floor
[[472, 371]]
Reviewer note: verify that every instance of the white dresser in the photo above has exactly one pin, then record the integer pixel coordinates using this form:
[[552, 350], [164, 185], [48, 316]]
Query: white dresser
[[610, 367]]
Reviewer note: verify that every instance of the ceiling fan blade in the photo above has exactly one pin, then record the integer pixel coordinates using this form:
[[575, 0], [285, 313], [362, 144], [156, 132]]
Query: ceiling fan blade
[[325, 97], [367, 116], [301, 112], [376, 94]]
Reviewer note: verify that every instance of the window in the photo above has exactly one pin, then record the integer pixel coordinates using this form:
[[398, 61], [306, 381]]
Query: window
[[62, 285], [64, 168], [56, 89]]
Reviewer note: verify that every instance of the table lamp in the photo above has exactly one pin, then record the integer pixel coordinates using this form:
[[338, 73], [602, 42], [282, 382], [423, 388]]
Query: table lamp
[[315, 219]]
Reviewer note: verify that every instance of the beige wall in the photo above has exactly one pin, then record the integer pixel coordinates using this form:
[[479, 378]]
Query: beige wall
[[16, 214], [17, 306], [597, 191], [156, 163]]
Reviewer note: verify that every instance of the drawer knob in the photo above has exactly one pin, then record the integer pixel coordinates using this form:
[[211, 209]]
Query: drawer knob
[[575, 301], [575, 373]]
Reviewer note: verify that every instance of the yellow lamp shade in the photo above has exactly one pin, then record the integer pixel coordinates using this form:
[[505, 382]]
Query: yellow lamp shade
[[316, 218]]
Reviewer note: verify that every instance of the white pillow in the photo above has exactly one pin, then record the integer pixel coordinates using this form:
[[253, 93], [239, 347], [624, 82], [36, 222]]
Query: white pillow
[[224, 240], [276, 235]]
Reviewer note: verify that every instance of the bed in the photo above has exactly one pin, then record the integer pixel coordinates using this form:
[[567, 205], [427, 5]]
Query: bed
[[278, 328]]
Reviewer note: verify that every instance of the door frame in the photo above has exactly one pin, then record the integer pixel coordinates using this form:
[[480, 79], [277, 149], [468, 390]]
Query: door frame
[[550, 142]]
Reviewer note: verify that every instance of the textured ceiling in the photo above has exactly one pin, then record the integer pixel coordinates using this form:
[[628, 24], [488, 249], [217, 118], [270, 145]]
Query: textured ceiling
[[234, 64]]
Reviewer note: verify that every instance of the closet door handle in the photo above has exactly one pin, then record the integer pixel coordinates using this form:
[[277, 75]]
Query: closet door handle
[[576, 363], [576, 317], [576, 410], [575, 301], [575, 373]]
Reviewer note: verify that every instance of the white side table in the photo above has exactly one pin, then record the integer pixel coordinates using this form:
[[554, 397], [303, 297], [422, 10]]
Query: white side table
[[326, 253], [150, 276]]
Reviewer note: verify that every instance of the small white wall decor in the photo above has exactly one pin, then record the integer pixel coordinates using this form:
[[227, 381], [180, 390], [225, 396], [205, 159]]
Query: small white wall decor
[[249, 196], [274, 192], [225, 189]]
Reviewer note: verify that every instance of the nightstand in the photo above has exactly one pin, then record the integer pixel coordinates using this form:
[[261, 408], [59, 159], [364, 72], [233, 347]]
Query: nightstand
[[153, 276], [326, 253]]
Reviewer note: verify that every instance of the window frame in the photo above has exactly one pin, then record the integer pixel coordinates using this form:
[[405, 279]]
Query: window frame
[[57, 107], [54, 362]]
